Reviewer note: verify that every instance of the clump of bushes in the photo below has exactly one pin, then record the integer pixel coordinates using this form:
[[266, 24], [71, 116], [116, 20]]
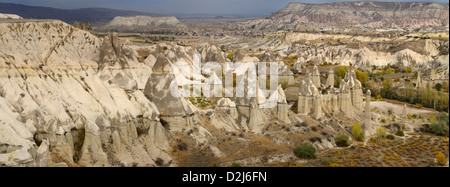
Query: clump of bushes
[[343, 141], [381, 132], [440, 127], [358, 132], [236, 165], [305, 151], [390, 137], [159, 161], [230, 56], [182, 146], [400, 133], [326, 163], [440, 159], [418, 105], [379, 97]]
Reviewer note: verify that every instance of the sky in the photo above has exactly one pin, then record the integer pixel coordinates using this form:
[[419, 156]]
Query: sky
[[235, 7]]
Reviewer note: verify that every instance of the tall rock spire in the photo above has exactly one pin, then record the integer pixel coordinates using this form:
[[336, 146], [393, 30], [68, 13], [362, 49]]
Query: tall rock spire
[[316, 77], [368, 115], [404, 114], [419, 80], [317, 107], [330, 79]]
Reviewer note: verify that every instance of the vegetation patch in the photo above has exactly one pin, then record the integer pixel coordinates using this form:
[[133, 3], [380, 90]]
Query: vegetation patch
[[305, 151]]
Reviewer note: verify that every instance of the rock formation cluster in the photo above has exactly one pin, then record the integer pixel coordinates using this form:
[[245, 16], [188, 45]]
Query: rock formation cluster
[[346, 99]]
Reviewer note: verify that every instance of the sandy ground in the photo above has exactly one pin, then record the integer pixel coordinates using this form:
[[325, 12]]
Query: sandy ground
[[398, 109]]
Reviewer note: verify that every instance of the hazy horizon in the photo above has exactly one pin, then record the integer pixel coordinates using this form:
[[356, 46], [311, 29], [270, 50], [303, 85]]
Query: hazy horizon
[[214, 7]]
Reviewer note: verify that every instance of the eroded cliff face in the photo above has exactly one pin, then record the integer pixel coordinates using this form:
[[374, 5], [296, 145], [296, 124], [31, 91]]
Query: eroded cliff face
[[366, 14], [366, 52], [73, 99]]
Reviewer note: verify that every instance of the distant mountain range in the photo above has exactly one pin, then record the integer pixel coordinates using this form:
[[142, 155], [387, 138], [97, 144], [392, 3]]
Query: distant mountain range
[[366, 14], [93, 15]]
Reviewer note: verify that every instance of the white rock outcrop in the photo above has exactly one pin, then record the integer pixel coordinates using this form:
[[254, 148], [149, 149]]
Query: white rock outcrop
[[307, 93], [9, 16], [142, 23]]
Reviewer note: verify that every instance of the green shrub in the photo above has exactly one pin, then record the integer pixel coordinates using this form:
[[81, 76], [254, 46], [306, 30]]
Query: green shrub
[[390, 137], [79, 136], [358, 132], [381, 132], [432, 119], [326, 163], [236, 165], [440, 127], [440, 158], [343, 141], [305, 151], [400, 133], [159, 161], [230, 56], [438, 86]]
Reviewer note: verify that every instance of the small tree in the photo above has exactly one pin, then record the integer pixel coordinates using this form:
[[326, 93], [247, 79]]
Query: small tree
[[381, 132], [400, 133], [440, 159], [363, 77], [358, 132], [236, 165], [305, 151], [387, 88], [408, 69], [379, 97], [230, 56], [441, 128], [343, 141], [340, 71], [438, 86], [390, 137]]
